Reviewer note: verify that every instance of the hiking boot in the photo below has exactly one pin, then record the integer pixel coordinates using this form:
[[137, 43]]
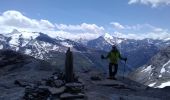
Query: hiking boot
[[112, 78]]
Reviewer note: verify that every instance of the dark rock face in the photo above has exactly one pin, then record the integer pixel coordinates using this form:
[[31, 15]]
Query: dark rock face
[[156, 71], [19, 71]]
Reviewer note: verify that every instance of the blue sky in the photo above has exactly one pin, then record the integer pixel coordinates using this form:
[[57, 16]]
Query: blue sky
[[130, 14]]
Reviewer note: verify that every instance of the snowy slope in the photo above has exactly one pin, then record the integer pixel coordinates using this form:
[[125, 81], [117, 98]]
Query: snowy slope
[[157, 72]]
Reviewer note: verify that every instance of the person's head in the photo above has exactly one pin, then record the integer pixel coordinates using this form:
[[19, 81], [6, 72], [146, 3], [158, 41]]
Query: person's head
[[114, 47]]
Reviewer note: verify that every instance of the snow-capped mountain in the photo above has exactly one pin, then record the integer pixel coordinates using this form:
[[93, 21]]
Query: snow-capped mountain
[[104, 42], [42, 46], [36, 44], [156, 72]]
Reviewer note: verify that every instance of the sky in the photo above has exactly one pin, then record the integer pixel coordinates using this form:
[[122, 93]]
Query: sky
[[88, 19]]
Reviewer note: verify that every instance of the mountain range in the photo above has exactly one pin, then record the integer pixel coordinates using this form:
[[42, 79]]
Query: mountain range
[[86, 54]]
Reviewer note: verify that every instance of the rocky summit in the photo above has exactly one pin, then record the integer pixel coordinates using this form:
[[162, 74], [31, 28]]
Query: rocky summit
[[25, 78]]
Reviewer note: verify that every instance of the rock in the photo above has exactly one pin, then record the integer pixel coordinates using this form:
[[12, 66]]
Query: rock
[[54, 83], [50, 82], [95, 78], [75, 87], [108, 82], [43, 82], [58, 75], [36, 93], [67, 96], [22, 83], [56, 91], [166, 89], [58, 83]]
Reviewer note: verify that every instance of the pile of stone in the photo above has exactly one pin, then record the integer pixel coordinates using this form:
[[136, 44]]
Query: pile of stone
[[54, 87]]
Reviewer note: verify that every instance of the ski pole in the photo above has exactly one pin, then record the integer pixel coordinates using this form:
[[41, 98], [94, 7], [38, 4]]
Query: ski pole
[[124, 70]]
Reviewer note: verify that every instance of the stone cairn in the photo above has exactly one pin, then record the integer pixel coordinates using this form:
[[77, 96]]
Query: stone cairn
[[57, 87], [69, 75]]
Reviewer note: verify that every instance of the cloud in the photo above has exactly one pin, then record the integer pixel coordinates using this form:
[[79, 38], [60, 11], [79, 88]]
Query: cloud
[[117, 25], [14, 19], [152, 35], [153, 3], [84, 27], [141, 31], [73, 36], [11, 19], [136, 28]]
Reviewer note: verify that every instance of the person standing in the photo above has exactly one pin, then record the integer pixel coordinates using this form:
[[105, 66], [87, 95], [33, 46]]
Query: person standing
[[113, 56]]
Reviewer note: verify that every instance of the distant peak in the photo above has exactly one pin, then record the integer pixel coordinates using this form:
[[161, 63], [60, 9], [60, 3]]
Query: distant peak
[[15, 31], [107, 36]]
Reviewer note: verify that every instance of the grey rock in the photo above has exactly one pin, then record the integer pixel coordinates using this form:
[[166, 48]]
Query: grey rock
[[58, 83], [67, 96], [55, 91], [75, 87]]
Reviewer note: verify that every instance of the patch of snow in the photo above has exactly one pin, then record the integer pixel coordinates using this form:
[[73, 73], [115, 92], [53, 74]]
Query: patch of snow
[[107, 36], [1, 46], [166, 63], [164, 85], [44, 44], [29, 35], [119, 41], [163, 70], [148, 69], [167, 39], [28, 51], [14, 40], [16, 35], [66, 44], [55, 47], [60, 38], [152, 84], [17, 48], [163, 67]]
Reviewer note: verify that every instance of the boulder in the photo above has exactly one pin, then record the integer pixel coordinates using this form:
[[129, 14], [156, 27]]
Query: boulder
[[58, 83], [56, 91], [66, 96], [32, 93], [22, 83], [74, 87]]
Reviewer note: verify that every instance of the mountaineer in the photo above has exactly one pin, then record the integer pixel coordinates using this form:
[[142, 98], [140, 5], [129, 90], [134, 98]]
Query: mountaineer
[[114, 56]]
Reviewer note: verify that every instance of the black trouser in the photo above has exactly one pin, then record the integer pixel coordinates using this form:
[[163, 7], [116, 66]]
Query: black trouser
[[112, 74]]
